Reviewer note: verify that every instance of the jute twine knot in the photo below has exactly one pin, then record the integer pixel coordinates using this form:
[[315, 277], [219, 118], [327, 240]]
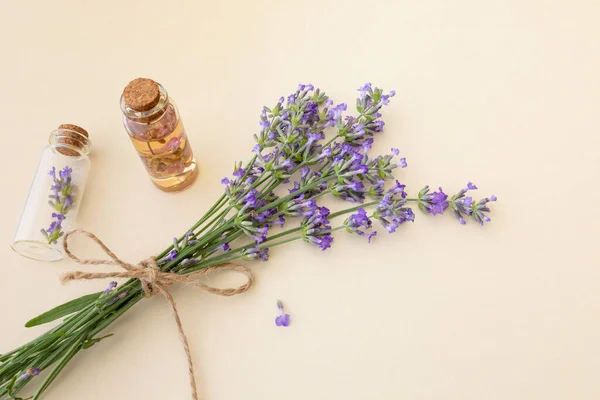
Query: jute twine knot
[[155, 281]]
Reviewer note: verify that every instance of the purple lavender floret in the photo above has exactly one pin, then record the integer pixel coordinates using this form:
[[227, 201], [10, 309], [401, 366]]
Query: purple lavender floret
[[30, 373], [238, 173], [224, 247], [282, 319], [171, 256], [110, 287]]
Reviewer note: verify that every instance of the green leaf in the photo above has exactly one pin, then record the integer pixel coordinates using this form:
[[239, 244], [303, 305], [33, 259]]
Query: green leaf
[[11, 385], [64, 309]]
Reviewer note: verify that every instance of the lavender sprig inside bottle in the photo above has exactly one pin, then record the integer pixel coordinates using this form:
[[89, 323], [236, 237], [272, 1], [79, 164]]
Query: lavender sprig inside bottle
[[61, 199]]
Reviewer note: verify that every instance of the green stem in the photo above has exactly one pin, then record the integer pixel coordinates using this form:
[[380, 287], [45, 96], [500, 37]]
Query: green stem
[[74, 349], [218, 204]]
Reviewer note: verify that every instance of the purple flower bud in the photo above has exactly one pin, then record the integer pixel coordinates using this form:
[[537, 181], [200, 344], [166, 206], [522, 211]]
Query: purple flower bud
[[187, 262], [110, 287], [325, 241], [336, 112], [225, 247], [367, 144], [31, 372], [304, 171], [471, 186], [364, 89], [225, 181], [493, 198], [68, 201], [117, 298], [379, 126], [65, 173], [395, 151], [59, 217], [402, 162], [326, 152]]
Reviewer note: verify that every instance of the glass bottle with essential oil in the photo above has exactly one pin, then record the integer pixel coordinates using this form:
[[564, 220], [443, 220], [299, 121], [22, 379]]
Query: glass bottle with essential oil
[[152, 121], [55, 195]]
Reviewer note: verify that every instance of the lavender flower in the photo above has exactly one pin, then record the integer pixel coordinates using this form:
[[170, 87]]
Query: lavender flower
[[281, 220], [381, 167], [463, 205], [282, 319], [110, 287], [460, 204], [31, 372], [254, 253], [116, 298], [359, 220], [188, 262], [224, 247], [433, 203], [376, 191], [171, 256], [316, 228], [239, 172], [391, 211]]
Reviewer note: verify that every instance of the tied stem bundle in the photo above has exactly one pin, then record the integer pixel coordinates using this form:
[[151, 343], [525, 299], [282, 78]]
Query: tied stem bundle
[[155, 281], [247, 221]]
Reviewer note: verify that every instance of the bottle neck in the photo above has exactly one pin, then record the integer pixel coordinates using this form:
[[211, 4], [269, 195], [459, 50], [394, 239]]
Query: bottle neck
[[148, 116], [70, 143]]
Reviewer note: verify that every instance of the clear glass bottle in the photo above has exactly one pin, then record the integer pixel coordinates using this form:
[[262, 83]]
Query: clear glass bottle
[[152, 121], [55, 195]]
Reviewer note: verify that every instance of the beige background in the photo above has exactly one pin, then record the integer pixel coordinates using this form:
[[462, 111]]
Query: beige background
[[503, 93]]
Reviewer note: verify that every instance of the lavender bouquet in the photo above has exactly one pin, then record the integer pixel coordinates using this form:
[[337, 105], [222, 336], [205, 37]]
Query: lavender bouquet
[[293, 166]]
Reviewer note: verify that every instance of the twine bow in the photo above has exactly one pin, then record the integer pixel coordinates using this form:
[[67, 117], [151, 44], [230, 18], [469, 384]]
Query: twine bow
[[155, 281]]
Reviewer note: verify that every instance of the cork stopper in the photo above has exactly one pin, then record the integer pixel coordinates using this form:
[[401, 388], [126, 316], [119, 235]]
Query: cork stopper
[[141, 94], [72, 139]]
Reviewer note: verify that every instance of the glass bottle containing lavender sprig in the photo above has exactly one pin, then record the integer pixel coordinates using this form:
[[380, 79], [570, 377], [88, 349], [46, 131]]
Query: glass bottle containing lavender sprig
[[55, 195], [152, 121]]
